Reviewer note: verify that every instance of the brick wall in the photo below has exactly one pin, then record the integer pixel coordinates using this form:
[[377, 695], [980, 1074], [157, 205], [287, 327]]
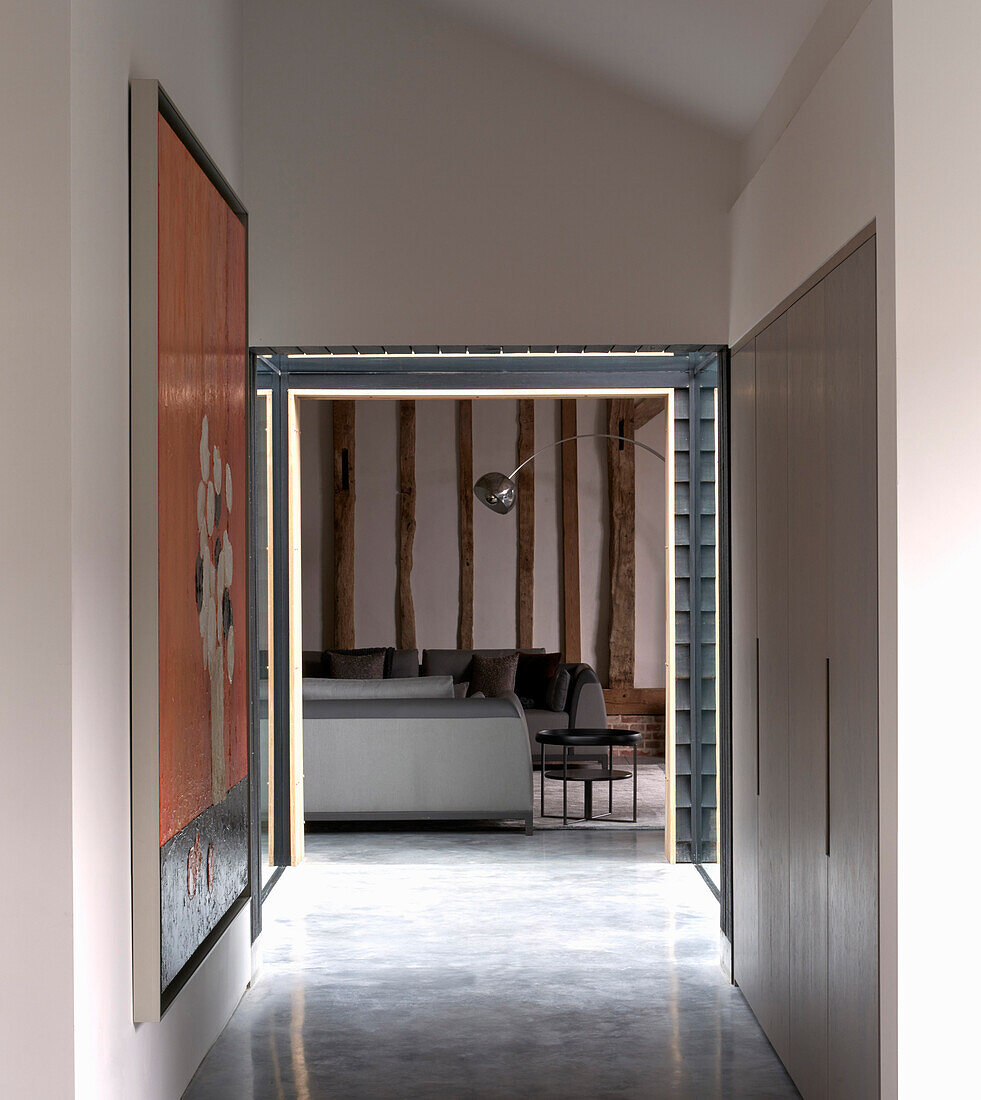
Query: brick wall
[[651, 726]]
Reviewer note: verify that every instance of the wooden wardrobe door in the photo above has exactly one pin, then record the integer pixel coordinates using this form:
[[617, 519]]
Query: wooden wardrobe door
[[772, 616], [807, 518], [745, 838], [853, 918]]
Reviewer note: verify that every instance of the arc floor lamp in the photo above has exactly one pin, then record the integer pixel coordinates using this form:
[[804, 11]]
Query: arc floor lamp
[[499, 491]]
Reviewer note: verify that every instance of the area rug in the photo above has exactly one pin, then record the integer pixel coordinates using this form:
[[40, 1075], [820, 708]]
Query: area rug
[[650, 801]]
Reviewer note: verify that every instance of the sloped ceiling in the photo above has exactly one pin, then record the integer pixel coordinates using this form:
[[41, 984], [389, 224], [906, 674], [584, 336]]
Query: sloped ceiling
[[717, 61]]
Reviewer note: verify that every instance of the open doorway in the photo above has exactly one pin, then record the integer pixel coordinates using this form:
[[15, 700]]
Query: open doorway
[[395, 552], [381, 383]]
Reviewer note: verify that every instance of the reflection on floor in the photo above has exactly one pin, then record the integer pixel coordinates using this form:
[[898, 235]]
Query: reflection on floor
[[452, 963]]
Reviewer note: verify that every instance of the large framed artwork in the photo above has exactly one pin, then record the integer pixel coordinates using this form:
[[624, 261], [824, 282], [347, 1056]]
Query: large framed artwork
[[190, 403]]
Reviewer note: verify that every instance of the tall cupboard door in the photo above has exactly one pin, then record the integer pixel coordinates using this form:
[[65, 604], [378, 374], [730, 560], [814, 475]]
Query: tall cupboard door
[[772, 617], [742, 490], [807, 653], [853, 974]]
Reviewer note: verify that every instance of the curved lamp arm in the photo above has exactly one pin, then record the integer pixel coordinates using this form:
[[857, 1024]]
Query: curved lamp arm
[[499, 491], [587, 435]]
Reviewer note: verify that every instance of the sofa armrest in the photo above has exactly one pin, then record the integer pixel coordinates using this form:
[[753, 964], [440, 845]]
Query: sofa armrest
[[510, 697], [587, 704]]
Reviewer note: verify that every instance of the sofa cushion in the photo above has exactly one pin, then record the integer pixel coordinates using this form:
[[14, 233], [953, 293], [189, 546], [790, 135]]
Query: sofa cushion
[[366, 651], [505, 652], [356, 666], [405, 662], [493, 676], [557, 695], [409, 687], [456, 662], [447, 662], [545, 720], [535, 671]]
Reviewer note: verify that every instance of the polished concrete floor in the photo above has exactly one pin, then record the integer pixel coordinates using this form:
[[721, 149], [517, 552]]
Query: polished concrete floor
[[449, 963]]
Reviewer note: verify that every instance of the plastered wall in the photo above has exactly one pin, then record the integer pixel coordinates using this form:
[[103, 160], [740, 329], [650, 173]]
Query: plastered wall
[[411, 180]]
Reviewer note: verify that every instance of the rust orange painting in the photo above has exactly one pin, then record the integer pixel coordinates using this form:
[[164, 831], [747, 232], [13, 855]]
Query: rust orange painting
[[202, 491]]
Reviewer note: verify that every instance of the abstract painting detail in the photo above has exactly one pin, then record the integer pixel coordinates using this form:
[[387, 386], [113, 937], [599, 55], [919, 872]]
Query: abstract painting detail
[[195, 893], [202, 444], [212, 594]]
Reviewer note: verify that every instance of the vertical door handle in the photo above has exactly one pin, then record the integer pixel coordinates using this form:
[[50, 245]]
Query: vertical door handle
[[827, 756], [757, 717]]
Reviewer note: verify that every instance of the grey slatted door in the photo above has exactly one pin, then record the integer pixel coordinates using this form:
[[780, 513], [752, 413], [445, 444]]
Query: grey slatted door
[[808, 590], [853, 976], [772, 612]]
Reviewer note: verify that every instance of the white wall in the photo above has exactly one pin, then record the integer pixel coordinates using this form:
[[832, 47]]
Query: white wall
[[411, 180], [548, 527], [594, 545], [938, 288], [829, 174], [35, 552], [829, 33], [436, 558], [436, 568], [650, 541], [195, 50]]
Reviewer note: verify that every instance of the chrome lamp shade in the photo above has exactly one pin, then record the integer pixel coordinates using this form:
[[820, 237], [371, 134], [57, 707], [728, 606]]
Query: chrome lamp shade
[[497, 491]]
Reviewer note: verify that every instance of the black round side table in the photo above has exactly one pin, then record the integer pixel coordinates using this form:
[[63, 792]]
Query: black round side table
[[583, 738]]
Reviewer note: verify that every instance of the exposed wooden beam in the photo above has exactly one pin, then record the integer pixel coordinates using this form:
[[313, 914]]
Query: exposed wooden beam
[[464, 443], [646, 408], [625, 700], [571, 614], [620, 467], [405, 615], [526, 524], [344, 498]]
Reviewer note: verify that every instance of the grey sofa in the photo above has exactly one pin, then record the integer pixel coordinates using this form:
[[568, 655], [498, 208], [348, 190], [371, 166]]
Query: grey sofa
[[585, 706], [404, 749]]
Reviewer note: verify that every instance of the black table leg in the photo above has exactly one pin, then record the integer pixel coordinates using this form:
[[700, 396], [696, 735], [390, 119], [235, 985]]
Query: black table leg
[[587, 775]]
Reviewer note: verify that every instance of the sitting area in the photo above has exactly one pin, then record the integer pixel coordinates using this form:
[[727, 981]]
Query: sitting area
[[454, 734]]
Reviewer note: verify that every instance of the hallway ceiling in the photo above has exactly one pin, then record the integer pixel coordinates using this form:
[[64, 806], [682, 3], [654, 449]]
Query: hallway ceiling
[[717, 61]]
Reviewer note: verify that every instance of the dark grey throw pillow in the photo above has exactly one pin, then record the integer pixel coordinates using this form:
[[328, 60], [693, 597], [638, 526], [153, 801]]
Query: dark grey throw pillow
[[357, 666], [557, 696], [534, 675], [365, 651], [493, 676]]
